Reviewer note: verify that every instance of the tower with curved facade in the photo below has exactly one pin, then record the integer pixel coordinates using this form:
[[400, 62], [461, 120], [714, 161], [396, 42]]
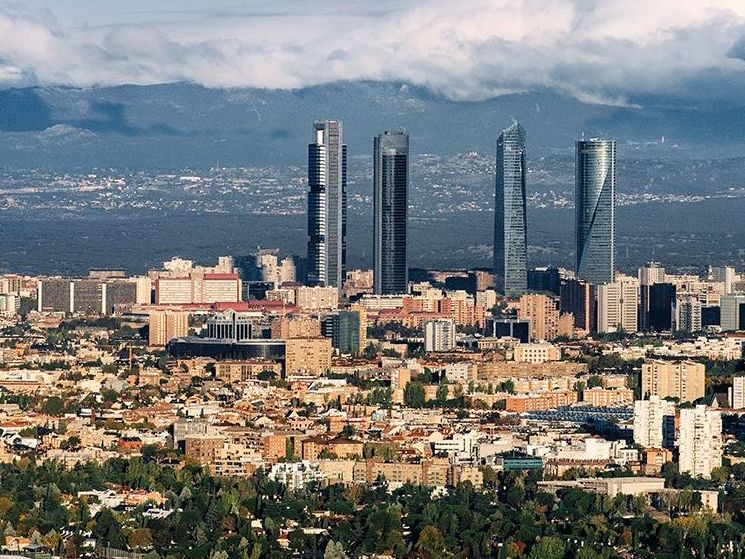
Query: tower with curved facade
[[390, 209], [327, 205], [510, 221], [595, 207]]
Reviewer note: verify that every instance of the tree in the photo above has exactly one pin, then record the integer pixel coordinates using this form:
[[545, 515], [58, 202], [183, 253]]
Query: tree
[[51, 540], [140, 539], [289, 449], [507, 386], [442, 394], [548, 547], [370, 352], [266, 376], [334, 550], [431, 543], [414, 394], [348, 431], [594, 381], [72, 443], [54, 406]]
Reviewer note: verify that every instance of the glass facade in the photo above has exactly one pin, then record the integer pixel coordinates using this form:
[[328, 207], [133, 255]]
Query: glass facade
[[391, 186], [595, 207], [327, 205], [510, 222]]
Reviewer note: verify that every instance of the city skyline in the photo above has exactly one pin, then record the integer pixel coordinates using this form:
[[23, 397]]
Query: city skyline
[[453, 280]]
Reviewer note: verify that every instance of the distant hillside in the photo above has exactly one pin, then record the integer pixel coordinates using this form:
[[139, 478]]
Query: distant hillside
[[183, 125]]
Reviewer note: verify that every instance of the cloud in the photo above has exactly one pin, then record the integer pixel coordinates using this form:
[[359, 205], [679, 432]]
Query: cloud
[[596, 50]]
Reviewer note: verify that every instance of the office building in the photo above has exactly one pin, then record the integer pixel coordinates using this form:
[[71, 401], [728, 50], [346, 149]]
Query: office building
[[343, 329], [198, 288], [661, 305], [725, 275], [166, 325], [595, 207], [510, 220], [649, 275], [509, 328], [88, 296], [327, 205], [700, 441], [683, 380], [732, 312], [54, 295], [652, 273], [688, 314], [439, 335], [192, 346], [234, 326], [390, 210], [577, 297], [119, 295], [618, 306], [710, 316], [654, 423], [545, 279]]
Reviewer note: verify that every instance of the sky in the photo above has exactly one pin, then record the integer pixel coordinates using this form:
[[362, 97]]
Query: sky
[[613, 52]]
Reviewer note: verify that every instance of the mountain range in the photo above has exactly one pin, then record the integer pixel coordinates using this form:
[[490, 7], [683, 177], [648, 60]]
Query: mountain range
[[181, 125]]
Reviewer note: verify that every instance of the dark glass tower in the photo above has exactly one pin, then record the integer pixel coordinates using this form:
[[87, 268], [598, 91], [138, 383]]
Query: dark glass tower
[[391, 191], [510, 224], [595, 207], [327, 205]]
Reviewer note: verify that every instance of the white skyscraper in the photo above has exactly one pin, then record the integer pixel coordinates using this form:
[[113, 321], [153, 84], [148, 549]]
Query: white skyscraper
[[700, 441], [654, 423]]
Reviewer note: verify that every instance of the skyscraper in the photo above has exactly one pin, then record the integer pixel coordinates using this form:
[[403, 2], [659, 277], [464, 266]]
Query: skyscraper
[[391, 186], [327, 205], [595, 202], [510, 229]]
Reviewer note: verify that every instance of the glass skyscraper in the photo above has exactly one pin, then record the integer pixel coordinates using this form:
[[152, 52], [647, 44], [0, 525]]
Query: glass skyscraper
[[327, 205], [510, 224], [391, 192], [595, 203]]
